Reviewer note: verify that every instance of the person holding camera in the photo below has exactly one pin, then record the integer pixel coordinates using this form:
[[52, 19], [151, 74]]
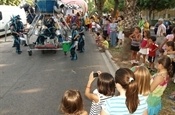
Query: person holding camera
[[105, 89]]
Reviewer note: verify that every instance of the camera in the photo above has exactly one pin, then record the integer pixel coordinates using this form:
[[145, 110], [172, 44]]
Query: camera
[[95, 74]]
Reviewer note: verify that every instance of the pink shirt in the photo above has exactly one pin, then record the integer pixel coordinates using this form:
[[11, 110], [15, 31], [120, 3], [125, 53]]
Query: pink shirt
[[144, 43], [170, 37]]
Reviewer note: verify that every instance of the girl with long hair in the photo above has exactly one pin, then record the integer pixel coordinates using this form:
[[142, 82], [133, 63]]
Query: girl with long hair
[[72, 103], [159, 84], [128, 101]]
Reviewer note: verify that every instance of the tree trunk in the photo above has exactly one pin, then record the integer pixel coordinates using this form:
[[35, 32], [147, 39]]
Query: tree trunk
[[115, 8], [131, 15], [99, 5]]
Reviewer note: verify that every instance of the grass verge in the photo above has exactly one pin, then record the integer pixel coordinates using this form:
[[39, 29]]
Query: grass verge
[[166, 103]]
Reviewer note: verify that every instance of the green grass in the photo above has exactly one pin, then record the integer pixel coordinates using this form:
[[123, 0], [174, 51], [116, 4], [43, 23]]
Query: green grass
[[166, 103]]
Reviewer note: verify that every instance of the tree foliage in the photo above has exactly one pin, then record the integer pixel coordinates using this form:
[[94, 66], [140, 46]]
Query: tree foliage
[[156, 4], [99, 5], [14, 2]]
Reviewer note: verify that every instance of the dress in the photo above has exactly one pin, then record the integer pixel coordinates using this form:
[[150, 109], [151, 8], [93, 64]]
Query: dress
[[154, 99], [96, 107], [143, 50], [113, 33]]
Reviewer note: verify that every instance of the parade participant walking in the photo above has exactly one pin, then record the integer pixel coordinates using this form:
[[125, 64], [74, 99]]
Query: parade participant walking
[[17, 29], [81, 41], [74, 42]]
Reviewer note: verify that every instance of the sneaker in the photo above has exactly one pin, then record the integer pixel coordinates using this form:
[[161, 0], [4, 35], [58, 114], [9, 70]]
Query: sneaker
[[117, 47], [19, 52], [136, 61], [142, 64], [173, 108], [172, 97], [132, 61]]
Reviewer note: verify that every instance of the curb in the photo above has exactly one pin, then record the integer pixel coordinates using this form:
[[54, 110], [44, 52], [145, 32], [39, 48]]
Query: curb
[[109, 56]]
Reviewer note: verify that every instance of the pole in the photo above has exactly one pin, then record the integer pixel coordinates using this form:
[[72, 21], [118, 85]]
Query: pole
[[6, 29]]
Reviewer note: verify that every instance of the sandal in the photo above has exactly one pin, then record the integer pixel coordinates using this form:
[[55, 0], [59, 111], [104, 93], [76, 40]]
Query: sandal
[[173, 93], [173, 108], [172, 97]]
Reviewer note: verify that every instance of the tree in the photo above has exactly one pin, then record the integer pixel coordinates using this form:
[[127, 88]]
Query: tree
[[130, 21], [91, 6], [155, 5], [15, 2], [99, 5], [10, 2], [108, 5]]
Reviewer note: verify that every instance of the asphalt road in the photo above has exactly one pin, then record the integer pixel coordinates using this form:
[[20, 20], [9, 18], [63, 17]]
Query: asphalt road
[[34, 85]]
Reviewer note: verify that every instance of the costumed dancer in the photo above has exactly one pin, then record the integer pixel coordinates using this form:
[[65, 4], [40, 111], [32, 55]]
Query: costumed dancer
[[74, 42], [17, 28], [81, 40]]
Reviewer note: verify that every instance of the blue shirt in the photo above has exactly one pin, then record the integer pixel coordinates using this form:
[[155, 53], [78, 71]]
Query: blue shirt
[[117, 106]]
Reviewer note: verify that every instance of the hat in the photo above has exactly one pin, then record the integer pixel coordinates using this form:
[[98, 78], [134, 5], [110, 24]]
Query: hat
[[160, 19], [18, 17]]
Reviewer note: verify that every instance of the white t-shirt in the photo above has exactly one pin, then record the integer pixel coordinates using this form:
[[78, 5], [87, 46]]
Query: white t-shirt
[[161, 30], [93, 24], [96, 107]]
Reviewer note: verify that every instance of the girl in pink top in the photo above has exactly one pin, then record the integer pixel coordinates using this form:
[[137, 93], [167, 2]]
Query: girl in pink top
[[169, 37]]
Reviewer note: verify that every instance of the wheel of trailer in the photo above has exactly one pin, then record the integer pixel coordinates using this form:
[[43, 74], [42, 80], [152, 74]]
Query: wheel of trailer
[[30, 53], [43, 51], [54, 51]]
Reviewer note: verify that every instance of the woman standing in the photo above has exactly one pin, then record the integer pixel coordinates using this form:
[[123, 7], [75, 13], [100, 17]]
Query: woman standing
[[113, 32]]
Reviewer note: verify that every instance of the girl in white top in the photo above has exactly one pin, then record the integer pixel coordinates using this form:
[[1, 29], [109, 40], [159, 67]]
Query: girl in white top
[[105, 89]]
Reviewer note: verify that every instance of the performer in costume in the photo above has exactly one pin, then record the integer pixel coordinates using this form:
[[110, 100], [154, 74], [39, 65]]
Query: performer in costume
[[81, 39], [17, 28], [74, 42]]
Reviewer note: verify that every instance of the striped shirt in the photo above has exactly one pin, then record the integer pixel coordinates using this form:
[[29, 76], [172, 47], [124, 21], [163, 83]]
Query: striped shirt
[[135, 43], [116, 106], [96, 107]]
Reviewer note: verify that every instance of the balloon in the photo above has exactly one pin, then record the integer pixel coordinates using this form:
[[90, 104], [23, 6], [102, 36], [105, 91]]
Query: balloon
[[80, 3]]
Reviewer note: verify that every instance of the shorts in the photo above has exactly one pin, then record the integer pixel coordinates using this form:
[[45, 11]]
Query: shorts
[[105, 33], [135, 48], [93, 29], [121, 35], [143, 51], [151, 59]]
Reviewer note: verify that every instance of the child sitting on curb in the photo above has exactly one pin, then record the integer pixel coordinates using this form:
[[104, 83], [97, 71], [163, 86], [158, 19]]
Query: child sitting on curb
[[98, 38], [104, 45]]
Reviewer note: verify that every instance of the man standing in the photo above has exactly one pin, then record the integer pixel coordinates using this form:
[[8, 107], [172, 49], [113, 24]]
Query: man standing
[[161, 32]]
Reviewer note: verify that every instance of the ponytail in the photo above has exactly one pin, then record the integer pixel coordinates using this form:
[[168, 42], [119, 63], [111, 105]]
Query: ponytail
[[126, 78], [132, 99], [170, 70]]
